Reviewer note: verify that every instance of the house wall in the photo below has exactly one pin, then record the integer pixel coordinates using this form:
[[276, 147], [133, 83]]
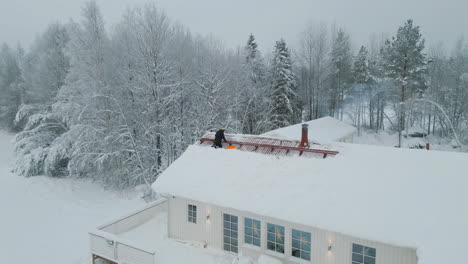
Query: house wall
[[210, 231]]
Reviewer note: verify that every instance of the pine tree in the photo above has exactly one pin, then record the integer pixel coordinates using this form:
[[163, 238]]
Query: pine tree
[[253, 107], [284, 99], [406, 64]]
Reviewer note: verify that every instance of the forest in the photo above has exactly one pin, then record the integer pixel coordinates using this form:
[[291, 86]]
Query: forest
[[118, 104]]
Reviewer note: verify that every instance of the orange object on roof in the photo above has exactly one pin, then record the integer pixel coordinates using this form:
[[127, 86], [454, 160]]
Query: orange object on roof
[[231, 147]]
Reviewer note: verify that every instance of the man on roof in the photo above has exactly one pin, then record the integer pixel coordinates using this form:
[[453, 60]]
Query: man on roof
[[219, 136]]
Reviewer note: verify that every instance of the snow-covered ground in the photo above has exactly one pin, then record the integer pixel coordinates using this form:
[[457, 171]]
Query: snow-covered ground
[[45, 220], [390, 139]]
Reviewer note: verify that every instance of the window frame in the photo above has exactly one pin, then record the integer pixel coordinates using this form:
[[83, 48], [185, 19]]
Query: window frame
[[192, 213], [305, 247], [231, 227], [249, 232], [277, 245], [366, 253]]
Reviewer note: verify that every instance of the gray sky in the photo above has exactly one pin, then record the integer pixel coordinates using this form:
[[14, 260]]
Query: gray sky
[[232, 20]]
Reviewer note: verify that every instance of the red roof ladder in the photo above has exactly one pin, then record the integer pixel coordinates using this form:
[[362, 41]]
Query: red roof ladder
[[272, 144]]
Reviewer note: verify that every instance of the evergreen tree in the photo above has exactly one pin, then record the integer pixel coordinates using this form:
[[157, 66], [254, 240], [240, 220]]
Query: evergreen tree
[[283, 95], [361, 70], [253, 103], [406, 64]]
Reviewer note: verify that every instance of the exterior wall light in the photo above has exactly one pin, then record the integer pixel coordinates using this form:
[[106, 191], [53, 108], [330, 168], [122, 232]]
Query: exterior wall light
[[329, 247]]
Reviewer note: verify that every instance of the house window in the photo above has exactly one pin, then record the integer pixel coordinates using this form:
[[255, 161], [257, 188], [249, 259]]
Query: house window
[[192, 213], [230, 233], [301, 244], [252, 231], [363, 254], [275, 238]]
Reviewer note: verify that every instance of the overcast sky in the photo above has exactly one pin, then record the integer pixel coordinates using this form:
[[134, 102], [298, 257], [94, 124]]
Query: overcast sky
[[232, 20]]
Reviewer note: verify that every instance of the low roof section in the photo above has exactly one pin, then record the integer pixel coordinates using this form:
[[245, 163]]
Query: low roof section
[[325, 129]]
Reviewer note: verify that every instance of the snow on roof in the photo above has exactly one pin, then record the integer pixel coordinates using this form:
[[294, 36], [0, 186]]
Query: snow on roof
[[412, 198], [324, 129]]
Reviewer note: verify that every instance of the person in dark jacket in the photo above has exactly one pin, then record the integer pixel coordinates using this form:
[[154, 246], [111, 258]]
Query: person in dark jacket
[[219, 136]]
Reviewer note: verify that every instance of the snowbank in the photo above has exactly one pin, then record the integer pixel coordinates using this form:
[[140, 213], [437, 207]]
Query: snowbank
[[413, 198], [324, 129], [46, 220]]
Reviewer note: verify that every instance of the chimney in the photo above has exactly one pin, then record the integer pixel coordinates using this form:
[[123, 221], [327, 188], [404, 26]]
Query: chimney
[[305, 136]]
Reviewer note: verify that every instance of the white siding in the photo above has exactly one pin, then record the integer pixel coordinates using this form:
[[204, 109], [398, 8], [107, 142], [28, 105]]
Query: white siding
[[100, 246], [132, 255], [211, 232]]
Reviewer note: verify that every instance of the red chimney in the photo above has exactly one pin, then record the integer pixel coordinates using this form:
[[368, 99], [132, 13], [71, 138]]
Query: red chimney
[[305, 136]]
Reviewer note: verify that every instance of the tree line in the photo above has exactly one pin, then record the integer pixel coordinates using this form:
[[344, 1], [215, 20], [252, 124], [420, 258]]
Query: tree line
[[119, 106]]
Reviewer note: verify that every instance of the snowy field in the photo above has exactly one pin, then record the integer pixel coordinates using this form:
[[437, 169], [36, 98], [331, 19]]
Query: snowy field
[[45, 220]]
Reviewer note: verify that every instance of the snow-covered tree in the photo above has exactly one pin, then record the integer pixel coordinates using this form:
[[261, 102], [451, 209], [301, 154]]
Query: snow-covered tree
[[253, 104], [406, 63], [313, 57], [283, 95], [341, 63], [11, 86]]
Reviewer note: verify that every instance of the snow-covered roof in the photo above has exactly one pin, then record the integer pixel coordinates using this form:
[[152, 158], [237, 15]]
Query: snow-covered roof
[[324, 129], [413, 198]]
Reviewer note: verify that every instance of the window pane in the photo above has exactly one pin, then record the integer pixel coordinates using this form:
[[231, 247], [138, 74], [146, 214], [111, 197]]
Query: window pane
[[296, 244], [279, 239], [369, 251], [248, 240], [271, 237], [306, 236], [357, 248], [281, 229], [296, 253], [248, 231], [233, 218], [256, 232], [280, 248], [271, 228], [369, 260], [256, 224], [305, 255], [234, 241], [248, 222], [256, 241], [226, 240], [305, 246], [233, 234], [227, 224], [226, 217], [296, 234], [227, 232], [227, 247], [234, 249], [358, 258], [234, 226], [271, 245]]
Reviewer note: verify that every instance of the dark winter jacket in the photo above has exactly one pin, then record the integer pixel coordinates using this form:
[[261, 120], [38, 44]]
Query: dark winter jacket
[[219, 136]]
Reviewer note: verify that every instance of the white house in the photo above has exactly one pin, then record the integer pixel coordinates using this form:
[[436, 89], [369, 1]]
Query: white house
[[334, 204]]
